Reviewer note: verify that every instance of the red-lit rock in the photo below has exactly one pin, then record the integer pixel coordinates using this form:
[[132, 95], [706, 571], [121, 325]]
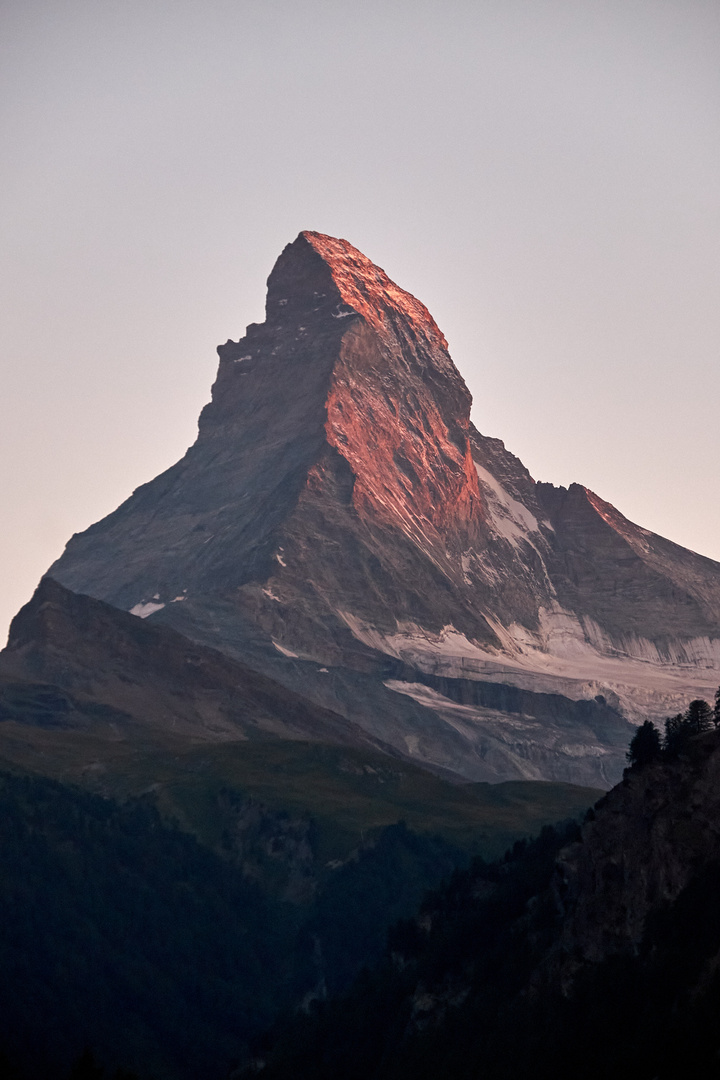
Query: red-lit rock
[[339, 511]]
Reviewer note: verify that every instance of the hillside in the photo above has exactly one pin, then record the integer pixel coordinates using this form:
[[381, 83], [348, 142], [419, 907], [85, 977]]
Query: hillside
[[588, 952]]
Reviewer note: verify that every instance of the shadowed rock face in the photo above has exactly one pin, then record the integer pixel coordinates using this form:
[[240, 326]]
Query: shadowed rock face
[[651, 836], [73, 661], [339, 511]]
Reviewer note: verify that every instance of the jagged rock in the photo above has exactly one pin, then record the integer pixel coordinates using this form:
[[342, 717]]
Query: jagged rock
[[339, 516]]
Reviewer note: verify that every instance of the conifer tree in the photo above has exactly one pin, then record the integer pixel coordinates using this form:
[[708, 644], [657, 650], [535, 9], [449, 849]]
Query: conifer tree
[[675, 734], [644, 746], [699, 717]]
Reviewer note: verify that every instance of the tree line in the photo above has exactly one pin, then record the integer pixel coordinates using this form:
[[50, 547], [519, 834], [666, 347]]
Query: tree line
[[649, 743]]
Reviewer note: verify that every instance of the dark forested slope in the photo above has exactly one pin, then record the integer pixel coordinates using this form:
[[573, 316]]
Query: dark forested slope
[[591, 953], [122, 933]]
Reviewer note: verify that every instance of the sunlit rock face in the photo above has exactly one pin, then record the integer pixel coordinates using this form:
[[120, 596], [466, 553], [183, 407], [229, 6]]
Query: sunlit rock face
[[341, 525]]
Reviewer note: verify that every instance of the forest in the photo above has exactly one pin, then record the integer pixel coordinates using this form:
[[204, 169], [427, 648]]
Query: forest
[[123, 934], [460, 991], [129, 949]]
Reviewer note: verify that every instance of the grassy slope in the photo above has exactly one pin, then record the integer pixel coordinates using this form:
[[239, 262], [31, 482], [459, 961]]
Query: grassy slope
[[347, 792]]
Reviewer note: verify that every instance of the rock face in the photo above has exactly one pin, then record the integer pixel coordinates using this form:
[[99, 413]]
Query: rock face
[[341, 526], [72, 661], [651, 835]]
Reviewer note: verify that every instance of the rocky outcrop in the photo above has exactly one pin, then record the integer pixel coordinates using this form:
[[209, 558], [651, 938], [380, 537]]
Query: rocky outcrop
[[273, 847], [647, 839], [339, 514]]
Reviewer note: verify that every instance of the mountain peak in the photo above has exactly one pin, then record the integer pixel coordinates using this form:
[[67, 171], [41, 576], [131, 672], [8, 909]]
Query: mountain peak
[[365, 287], [338, 515], [345, 398], [394, 405], [322, 278]]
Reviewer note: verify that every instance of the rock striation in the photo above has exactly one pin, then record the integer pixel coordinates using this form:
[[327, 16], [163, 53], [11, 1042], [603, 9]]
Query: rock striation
[[340, 526]]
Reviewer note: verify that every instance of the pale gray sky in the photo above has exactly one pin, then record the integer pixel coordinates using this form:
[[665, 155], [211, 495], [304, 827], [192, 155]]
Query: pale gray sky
[[543, 175]]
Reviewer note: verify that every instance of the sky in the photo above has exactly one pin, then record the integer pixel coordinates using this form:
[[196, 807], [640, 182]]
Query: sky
[[542, 174]]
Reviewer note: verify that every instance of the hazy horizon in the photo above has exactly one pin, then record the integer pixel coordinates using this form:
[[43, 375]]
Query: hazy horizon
[[543, 176]]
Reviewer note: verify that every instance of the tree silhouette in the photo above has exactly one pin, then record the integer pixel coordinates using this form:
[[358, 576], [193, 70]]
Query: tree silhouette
[[676, 734], [644, 745], [699, 717]]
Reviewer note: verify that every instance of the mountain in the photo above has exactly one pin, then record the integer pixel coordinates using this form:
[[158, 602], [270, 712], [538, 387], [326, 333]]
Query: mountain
[[589, 952], [218, 850], [94, 696], [340, 527], [88, 663], [191, 848]]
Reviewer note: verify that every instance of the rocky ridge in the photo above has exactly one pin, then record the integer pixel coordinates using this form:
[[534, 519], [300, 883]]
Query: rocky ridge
[[72, 661], [646, 841], [340, 526]]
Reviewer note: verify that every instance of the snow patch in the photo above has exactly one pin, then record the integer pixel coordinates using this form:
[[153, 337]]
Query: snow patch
[[425, 695], [284, 651], [580, 750], [271, 594], [566, 656], [280, 559], [145, 608], [510, 519], [412, 641]]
